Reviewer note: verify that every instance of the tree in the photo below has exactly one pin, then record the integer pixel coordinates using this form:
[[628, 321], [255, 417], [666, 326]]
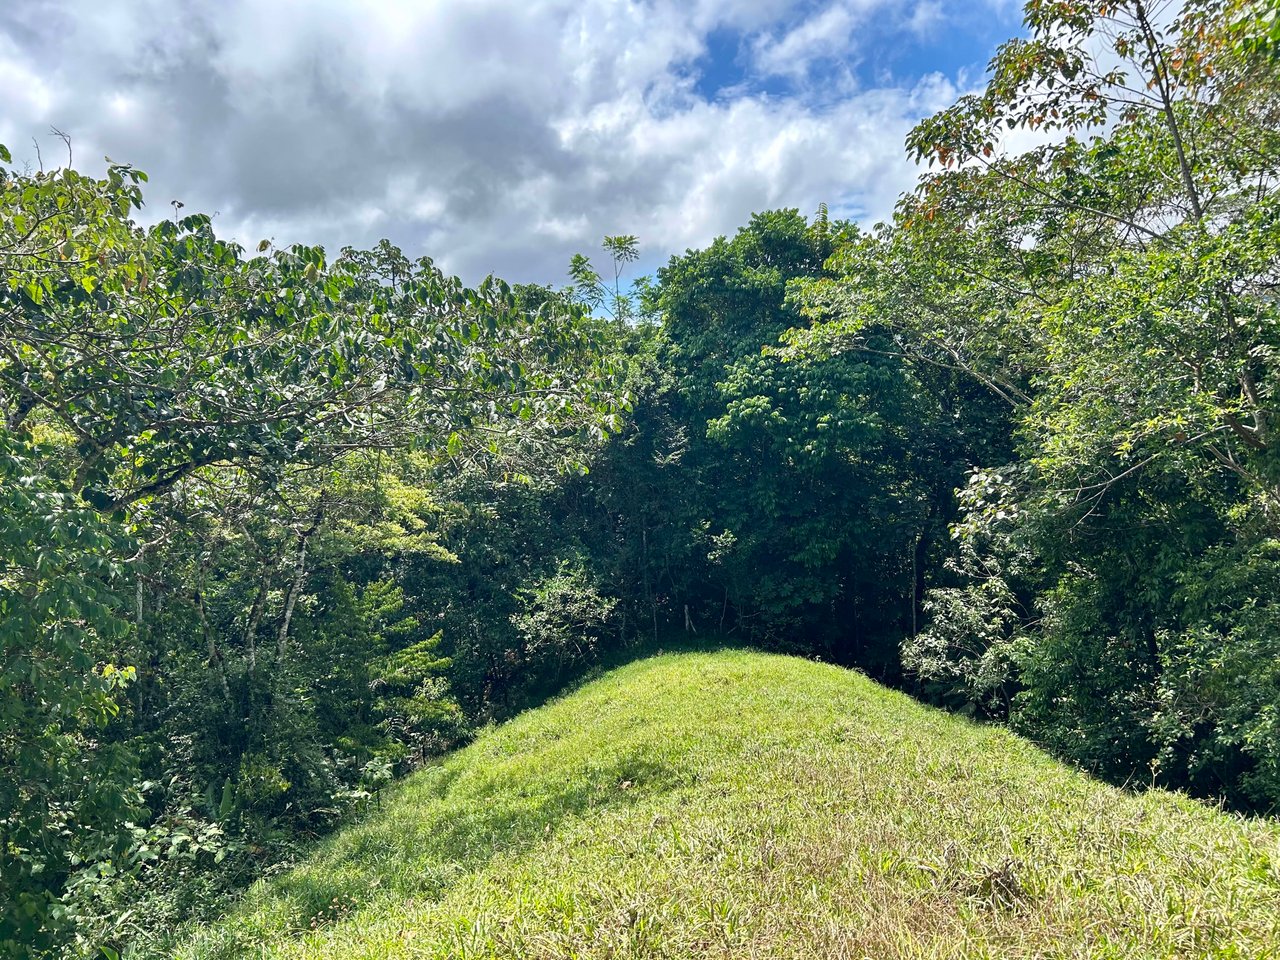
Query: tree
[[67, 788], [221, 430], [822, 478], [591, 289], [1115, 287], [164, 351]]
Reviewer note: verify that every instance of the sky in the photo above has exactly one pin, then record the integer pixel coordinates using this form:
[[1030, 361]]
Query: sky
[[495, 136]]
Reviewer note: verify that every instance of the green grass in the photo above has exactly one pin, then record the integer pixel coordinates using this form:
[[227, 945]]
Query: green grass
[[744, 805]]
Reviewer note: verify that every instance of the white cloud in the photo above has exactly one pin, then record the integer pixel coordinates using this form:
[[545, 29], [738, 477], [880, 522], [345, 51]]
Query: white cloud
[[490, 134], [928, 16], [827, 33], [26, 91]]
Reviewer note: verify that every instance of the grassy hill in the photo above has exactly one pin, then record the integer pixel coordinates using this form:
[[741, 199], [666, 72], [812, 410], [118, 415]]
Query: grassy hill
[[745, 805]]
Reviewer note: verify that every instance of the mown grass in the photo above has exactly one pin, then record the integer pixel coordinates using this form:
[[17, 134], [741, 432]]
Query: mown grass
[[745, 805]]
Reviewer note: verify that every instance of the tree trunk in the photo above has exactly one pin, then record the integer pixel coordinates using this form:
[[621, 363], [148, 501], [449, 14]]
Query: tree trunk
[[300, 572]]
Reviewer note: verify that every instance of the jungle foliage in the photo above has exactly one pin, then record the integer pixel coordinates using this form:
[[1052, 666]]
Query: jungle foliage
[[1112, 589]]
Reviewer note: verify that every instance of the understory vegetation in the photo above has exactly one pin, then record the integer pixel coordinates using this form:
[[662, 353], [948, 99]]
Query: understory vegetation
[[279, 526]]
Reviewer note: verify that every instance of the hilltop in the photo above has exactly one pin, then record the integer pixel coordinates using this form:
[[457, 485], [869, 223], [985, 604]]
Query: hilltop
[[750, 805]]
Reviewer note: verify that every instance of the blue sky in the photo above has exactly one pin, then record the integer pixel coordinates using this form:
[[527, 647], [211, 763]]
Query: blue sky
[[494, 135], [893, 47]]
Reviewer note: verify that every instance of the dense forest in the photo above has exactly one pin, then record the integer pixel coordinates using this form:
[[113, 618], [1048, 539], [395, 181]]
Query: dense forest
[[278, 526]]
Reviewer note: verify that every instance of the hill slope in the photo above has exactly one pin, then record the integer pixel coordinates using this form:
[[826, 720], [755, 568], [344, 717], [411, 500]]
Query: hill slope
[[746, 805]]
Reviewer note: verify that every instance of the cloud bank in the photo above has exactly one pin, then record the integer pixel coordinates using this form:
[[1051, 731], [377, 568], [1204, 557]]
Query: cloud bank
[[492, 135]]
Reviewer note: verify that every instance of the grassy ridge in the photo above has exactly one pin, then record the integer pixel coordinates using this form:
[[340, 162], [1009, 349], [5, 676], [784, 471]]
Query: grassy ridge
[[746, 805]]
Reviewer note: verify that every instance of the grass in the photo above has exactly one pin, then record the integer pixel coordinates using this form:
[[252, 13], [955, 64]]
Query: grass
[[745, 805]]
